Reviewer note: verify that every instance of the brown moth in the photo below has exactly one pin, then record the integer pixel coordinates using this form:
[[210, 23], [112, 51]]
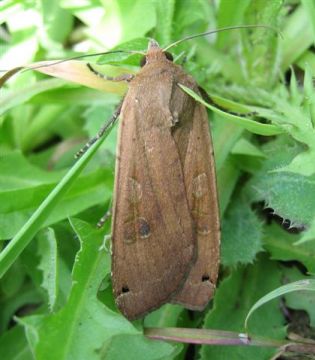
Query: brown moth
[[165, 230], [166, 227]]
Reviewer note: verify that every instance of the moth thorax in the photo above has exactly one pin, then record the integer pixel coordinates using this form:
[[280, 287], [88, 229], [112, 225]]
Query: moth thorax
[[155, 53]]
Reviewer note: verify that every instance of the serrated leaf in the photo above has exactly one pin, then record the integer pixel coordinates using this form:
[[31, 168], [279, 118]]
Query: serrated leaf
[[308, 235], [232, 301], [289, 194], [47, 247], [295, 94], [241, 233], [283, 192]]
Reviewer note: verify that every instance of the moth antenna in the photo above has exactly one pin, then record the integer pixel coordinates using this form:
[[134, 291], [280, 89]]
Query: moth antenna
[[220, 30], [68, 59], [9, 73], [84, 56]]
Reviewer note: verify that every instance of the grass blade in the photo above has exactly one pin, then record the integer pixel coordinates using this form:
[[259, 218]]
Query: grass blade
[[250, 125], [31, 227], [301, 285]]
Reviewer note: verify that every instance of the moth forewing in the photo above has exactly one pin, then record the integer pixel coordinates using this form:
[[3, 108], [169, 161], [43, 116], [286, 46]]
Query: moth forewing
[[154, 240], [200, 183]]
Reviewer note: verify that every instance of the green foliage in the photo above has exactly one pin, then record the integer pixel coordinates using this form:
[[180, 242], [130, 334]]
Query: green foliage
[[288, 193], [283, 246], [237, 293], [301, 300], [55, 290], [84, 327], [241, 233]]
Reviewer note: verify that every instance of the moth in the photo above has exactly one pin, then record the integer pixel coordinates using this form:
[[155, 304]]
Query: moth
[[165, 227]]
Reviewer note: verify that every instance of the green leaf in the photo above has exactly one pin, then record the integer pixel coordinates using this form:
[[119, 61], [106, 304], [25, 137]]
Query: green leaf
[[310, 10], [27, 232], [297, 36], [26, 296], [290, 195], [86, 327], [228, 176], [308, 235], [233, 299], [136, 17], [23, 187], [127, 346], [283, 191], [14, 346], [245, 147], [49, 264], [139, 44], [13, 281], [246, 73], [18, 97], [109, 23], [299, 300], [225, 136], [191, 18], [287, 247], [57, 22], [262, 44], [241, 233], [303, 163], [164, 17], [301, 285], [250, 125], [167, 315], [230, 13]]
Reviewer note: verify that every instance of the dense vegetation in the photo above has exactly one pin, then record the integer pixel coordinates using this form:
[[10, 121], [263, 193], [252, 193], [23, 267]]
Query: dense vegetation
[[55, 291]]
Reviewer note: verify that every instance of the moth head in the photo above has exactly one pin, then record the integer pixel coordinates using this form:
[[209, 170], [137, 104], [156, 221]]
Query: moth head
[[155, 53]]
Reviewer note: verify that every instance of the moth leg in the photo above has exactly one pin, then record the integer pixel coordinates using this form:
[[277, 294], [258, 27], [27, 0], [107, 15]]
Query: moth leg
[[209, 100], [123, 77], [106, 243], [104, 218], [101, 132]]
